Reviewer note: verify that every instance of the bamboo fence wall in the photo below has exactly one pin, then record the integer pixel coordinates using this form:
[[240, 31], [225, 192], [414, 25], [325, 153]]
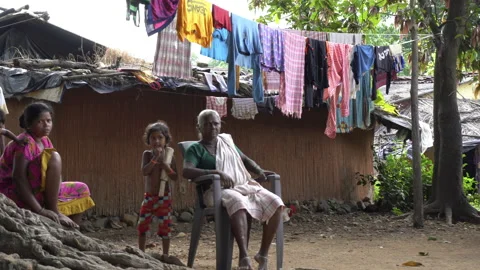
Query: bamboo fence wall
[[99, 138]]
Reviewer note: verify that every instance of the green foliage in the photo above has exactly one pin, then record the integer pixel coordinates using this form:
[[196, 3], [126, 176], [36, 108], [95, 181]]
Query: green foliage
[[397, 211], [395, 181], [216, 63], [474, 200], [393, 185]]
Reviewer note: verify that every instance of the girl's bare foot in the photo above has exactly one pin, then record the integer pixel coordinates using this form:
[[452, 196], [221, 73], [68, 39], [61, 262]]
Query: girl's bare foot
[[66, 221], [262, 262], [245, 264]]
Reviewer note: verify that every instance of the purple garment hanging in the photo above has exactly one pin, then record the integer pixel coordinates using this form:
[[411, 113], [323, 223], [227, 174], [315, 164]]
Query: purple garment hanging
[[159, 14], [272, 43]]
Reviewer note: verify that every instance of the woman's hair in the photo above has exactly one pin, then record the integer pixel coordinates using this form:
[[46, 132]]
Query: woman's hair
[[2, 117], [157, 126], [32, 112], [204, 115]]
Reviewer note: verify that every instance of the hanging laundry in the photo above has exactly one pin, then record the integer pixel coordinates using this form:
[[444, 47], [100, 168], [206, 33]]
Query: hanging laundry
[[426, 136], [354, 87], [172, 57], [209, 79], [321, 36], [244, 49], [338, 80], [362, 63], [218, 104], [346, 38], [195, 22], [398, 61], [268, 106], [346, 124], [160, 13], [383, 79], [133, 7], [290, 98], [272, 82], [219, 48], [272, 41], [221, 18], [316, 72], [244, 108], [3, 103], [383, 64], [221, 81]]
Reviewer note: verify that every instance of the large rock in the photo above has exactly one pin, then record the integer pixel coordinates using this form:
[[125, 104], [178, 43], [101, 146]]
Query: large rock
[[30, 241], [129, 219], [185, 217]]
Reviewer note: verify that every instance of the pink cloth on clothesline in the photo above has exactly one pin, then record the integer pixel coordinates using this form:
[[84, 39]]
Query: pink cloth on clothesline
[[290, 100], [218, 104], [339, 82]]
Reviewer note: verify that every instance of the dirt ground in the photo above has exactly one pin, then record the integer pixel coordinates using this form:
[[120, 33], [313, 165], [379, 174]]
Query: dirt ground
[[336, 242]]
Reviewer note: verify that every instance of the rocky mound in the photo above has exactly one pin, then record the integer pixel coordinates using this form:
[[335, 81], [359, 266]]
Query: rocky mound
[[30, 241]]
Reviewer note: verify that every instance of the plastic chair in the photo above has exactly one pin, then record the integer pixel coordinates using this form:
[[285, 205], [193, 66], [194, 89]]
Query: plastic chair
[[223, 233]]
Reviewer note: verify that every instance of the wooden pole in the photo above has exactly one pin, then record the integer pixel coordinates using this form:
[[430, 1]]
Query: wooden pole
[[417, 169], [90, 76]]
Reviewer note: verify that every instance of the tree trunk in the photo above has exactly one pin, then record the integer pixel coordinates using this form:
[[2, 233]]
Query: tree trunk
[[448, 181], [30, 241], [416, 152]]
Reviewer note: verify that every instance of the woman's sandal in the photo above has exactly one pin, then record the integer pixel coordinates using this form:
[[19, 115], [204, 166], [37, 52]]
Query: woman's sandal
[[262, 262], [245, 267]]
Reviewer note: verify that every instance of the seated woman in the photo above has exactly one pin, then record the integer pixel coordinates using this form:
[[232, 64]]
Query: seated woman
[[30, 173], [242, 196]]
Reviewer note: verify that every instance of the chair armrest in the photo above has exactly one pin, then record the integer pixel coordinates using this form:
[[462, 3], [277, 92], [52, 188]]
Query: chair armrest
[[270, 178], [273, 177], [205, 179], [276, 184]]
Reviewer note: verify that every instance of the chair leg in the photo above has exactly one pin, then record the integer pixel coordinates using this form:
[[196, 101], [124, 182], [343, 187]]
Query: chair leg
[[277, 189], [279, 242], [221, 262], [195, 235], [227, 241]]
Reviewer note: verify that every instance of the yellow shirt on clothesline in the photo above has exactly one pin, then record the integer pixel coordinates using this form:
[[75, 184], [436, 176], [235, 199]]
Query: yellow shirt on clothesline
[[195, 22]]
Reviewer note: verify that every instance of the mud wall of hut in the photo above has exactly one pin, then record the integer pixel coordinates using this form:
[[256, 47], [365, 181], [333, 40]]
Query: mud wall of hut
[[100, 140]]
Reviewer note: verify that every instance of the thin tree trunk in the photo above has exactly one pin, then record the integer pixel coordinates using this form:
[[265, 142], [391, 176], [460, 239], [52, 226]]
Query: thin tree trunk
[[417, 170]]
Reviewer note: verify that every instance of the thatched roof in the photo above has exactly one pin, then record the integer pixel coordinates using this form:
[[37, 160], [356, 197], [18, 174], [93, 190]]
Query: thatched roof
[[400, 93], [469, 115]]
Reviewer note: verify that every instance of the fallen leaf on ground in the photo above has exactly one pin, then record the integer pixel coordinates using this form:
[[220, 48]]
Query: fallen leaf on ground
[[412, 263], [151, 245], [432, 238], [421, 253]]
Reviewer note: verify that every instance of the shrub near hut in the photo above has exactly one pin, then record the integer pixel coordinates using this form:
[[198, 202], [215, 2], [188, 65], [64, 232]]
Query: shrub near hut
[[393, 190]]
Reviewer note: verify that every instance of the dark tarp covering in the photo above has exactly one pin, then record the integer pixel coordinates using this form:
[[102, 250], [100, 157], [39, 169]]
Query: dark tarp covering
[[470, 145], [23, 35], [17, 81], [14, 44], [105, 85]]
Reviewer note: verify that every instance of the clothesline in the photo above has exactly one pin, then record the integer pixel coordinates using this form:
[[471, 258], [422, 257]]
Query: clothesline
[[418, 39], [392, 34]]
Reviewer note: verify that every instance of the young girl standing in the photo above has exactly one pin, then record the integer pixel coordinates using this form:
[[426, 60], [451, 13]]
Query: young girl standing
[[158, 167]]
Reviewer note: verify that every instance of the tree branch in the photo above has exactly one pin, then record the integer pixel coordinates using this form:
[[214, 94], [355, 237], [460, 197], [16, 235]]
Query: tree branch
[[436, 30]]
